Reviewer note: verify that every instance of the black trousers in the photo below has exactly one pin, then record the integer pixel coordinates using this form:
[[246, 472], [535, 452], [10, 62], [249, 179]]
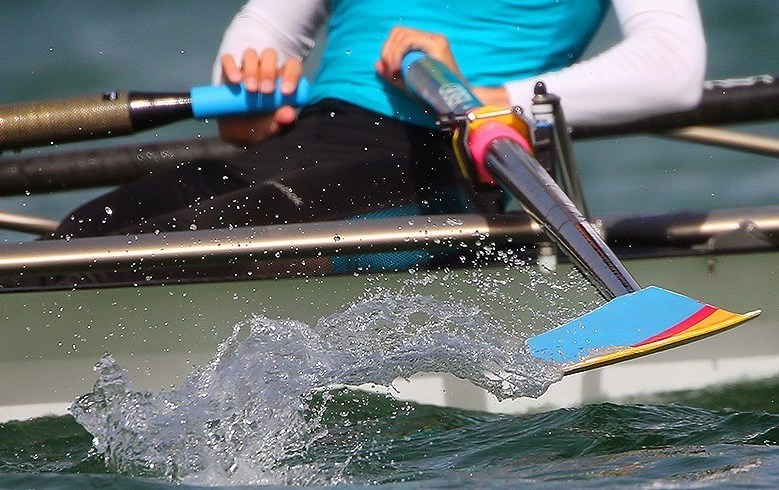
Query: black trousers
[[338, 161]]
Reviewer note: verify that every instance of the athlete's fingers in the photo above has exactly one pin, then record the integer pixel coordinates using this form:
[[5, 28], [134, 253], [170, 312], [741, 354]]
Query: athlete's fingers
[[270, 129], [268, 71], [390, 51], [290, 75], [249, 70], [230, 71], [405, 41], [400, 41], [388, 64], [380, 68]]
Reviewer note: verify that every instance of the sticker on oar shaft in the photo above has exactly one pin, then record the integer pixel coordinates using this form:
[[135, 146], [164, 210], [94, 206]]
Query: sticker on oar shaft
[[435, 85]]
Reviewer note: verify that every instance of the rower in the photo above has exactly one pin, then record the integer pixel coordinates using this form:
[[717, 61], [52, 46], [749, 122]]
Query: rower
[[362, 146]]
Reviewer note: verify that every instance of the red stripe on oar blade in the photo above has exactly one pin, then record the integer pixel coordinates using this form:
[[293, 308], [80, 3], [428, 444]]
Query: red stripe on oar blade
[[690, 321]]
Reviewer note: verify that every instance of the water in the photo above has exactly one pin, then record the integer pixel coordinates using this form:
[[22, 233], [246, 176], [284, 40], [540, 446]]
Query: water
[[224, 427], [364, 440]]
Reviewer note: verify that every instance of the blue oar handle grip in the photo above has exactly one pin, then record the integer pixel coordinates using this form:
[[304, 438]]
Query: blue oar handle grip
[[233, 100]]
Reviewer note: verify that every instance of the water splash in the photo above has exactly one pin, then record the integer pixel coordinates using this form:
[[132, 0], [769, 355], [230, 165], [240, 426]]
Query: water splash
[[248, 417]]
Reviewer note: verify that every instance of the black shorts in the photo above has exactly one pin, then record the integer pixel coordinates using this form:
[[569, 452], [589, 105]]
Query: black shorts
[[337, 162]]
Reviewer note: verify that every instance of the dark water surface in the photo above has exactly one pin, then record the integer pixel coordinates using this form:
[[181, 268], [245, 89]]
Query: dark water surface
[[374, 440]]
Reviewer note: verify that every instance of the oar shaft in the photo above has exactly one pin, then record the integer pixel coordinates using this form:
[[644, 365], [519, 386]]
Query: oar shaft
[[88, 117], [56, 121], [527, 180], [122, 113], [724, 102]]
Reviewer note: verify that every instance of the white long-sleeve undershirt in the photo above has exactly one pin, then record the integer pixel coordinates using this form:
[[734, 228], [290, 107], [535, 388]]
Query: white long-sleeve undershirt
[[658, 67]]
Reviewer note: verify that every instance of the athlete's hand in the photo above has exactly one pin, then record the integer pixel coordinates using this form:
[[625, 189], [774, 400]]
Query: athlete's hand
[[259, 74], [401, 40]]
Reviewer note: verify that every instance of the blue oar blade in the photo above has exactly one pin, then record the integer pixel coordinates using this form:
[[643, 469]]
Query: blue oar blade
[[630, 326]]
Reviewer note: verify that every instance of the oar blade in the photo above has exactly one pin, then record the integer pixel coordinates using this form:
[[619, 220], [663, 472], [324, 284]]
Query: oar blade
[[633, 325]]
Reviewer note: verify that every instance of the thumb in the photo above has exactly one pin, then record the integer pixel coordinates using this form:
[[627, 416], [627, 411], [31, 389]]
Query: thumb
[[284, 116]]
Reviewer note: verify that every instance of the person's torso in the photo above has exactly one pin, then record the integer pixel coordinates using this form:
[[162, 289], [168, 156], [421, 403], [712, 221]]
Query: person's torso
[[493, 42]]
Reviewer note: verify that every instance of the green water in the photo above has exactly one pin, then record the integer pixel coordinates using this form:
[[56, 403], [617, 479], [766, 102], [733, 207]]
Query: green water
[[373, 440], [714, 439]]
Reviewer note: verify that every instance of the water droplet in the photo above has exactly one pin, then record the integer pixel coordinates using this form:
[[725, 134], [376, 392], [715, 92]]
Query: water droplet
[[109, 211], [454, 221]]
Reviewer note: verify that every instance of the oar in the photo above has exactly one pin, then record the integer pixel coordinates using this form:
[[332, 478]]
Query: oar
[[122, 113], [498, 150], [635, 321], [112, 114]]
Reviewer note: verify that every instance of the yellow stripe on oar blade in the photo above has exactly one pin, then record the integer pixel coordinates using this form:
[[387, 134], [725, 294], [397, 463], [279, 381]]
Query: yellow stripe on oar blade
[[719, 321]]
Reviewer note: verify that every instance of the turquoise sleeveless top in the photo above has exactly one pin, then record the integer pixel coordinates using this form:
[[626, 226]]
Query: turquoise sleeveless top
[[494, 41]]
